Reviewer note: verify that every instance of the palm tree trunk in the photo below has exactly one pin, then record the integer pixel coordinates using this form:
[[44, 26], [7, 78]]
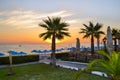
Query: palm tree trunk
[[98, 43], [115, 44], [104, 43], [53, 59], [92, 45]]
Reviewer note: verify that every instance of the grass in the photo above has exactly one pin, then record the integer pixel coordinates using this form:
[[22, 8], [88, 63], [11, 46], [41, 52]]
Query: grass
[[43, 72]]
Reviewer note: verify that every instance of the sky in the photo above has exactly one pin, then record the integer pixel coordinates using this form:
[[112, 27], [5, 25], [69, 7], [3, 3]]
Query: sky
[[19, 19]]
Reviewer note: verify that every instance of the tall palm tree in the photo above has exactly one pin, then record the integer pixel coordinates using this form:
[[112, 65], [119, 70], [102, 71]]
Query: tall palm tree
[[55, 29], [90, 31], [98, 34], [115, 37], [104, 41]]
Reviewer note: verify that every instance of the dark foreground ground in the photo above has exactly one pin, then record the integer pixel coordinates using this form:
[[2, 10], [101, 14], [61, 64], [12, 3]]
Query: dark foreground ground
[[43, 72]]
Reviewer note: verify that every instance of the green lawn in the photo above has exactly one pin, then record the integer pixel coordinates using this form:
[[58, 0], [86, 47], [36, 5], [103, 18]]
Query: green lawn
[[43, 72]]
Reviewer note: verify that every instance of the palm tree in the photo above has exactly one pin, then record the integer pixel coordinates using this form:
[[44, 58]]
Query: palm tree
[[90, 31], [98, 34], [111, 66], [55, 29], [115, 37], [104, 41]]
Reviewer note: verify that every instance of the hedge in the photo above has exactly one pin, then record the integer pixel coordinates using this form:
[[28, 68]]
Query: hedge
[[19, 59], [65, 56], [32, 58], [62, 55]]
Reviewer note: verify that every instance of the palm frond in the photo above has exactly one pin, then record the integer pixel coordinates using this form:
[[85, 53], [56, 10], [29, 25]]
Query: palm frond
[[56, 20], [98, 26], [63, 24], [48, 22], [54, 26], [59, 36], [104, 54], [83, 30], [45, 35], [98, 34], [64, 29], [85, 25], [65, 33], [44, 26], [91, 24], [86, 35], [42, 34]]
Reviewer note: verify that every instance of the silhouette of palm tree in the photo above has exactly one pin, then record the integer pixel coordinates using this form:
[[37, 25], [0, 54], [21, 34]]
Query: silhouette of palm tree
[[115, 33], [98, 34], [91, 31], [55, 29]]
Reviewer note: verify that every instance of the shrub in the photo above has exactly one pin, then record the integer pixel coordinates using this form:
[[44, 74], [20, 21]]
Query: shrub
[[63, 55], [19, 59]]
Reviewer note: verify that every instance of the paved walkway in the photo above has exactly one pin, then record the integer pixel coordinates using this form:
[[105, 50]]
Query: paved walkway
[[68, 64], [22, 64], [64, 64]]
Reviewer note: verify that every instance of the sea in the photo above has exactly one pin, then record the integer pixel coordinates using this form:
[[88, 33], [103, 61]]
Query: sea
[[27, 48]]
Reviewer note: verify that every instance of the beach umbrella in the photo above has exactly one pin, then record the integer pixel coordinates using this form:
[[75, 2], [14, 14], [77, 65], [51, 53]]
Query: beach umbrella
[[68, 48], [45, 51], [77, 45], [81, 49], [39, 51], [1, 54], [96, 48], [109, 40], [16, 53], [34, 51], [101, 47], [58, 50], [49, 50], [88, 48], [21, 53], [62, 49], [72, 49], [13, 52]]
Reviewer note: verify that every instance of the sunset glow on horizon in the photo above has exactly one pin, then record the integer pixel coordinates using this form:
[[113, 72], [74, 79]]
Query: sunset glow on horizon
[[19, 19]]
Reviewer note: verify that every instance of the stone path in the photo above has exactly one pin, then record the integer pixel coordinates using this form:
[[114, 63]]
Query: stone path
[[65, 64], [68, 64], [5, 66]]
